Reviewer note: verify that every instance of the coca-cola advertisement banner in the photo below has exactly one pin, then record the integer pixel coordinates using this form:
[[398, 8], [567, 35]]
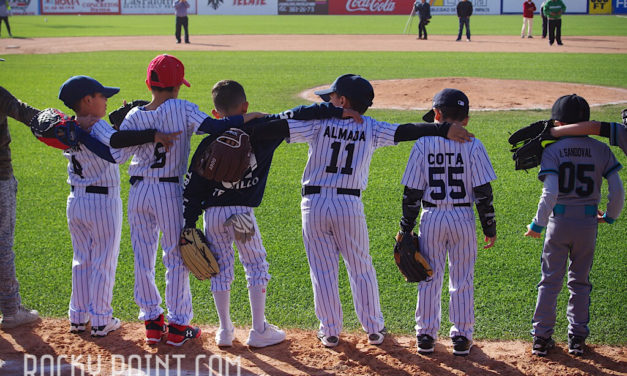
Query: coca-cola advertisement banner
[[370, 6], [303, 7], [80, 6]]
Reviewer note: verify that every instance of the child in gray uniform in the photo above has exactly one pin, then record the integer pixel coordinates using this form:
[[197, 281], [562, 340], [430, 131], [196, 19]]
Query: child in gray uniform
[[572, 170]]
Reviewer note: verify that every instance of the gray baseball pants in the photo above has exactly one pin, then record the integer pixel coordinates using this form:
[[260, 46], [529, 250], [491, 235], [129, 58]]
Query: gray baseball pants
[[9, 287]]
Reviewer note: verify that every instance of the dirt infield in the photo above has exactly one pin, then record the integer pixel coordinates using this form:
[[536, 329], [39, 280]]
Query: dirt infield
[[480, 43], [300, 354]]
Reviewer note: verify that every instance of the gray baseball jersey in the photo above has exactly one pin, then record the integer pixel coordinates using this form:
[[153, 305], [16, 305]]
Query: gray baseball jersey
[[340, 151], [447, 172], [572, 170]]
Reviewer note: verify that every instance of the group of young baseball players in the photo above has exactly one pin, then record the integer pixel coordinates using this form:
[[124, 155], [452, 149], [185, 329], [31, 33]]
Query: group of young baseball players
[[448, 173]]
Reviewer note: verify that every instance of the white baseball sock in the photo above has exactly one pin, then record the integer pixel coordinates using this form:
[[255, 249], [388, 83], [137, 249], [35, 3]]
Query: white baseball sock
[[222, 300], [257, 296]]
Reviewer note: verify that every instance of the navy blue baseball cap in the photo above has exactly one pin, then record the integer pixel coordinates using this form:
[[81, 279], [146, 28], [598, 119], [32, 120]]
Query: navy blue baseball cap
[[447, 98], [77, 87], [352, 86], [570, 109]]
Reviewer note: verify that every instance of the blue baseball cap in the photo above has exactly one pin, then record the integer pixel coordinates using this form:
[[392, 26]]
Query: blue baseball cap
[[77, 87], [570, 109], [352, 86], [447, 98]]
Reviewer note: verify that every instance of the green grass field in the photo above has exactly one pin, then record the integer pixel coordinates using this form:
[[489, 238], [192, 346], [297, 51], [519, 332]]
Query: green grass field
[[56, 26], [505, 276]]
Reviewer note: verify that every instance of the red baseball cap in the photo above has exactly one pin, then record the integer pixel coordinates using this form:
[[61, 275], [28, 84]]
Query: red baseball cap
[[165, 71]]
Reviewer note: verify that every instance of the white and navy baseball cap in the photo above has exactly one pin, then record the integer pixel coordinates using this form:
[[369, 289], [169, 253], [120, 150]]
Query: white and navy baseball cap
[[570, 109], [352, 86], [76, 87], [447, 98]]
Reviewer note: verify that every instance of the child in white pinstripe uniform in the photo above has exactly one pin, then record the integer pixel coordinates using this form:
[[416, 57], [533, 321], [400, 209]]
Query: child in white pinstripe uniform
[[448, 177]]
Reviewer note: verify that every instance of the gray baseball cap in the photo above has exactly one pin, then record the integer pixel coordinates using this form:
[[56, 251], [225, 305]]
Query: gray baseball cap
[[352, 86], [447, 98]]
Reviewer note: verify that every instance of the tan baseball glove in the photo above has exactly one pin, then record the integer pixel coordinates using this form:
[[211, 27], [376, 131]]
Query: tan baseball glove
[[197, 255], [410, 262]]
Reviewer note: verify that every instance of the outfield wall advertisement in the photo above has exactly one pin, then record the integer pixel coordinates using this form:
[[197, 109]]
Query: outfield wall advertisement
[[572, 6], [24, 7], [80, 6], [239, 7], [620, 6], [479, 7], [152, 7], [303, 7], [370, 6]]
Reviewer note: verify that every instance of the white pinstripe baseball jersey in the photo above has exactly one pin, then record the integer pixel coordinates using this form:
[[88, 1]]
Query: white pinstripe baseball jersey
[[86, 168], [151, 160], [340, 150], [447, 172], [334, 223]]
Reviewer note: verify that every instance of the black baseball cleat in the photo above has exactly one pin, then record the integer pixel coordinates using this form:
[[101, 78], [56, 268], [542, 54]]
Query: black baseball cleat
[[179, 334], [576, 344], [425, 344], [542, 345], [461, 345]]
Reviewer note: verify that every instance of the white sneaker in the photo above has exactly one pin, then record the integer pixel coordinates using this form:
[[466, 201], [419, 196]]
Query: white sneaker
[[378, 337], [21, 317], [270, 336], [101, 331], [78, 327], [328, 341], [224, 337]]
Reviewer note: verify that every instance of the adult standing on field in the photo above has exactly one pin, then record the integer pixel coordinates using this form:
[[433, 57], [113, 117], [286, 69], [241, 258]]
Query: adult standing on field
[[553, 10], [180, 7], [528, 8], [464, 11], [13, 313], [423, 9], [545, 22], [5, 10]]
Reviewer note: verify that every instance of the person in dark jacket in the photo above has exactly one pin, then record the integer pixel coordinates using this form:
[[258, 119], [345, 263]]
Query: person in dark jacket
[[464, 11], [423, 10]]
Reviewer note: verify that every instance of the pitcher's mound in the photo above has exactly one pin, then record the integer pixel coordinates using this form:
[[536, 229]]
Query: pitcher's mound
[[483, 93]]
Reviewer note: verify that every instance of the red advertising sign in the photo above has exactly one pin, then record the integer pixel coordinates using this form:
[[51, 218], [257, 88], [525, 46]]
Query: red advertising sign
[[370, 6]]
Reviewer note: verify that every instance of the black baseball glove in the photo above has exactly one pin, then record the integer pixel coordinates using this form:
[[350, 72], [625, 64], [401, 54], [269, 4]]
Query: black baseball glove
[[529, 142], [116, 117], [410, 262]]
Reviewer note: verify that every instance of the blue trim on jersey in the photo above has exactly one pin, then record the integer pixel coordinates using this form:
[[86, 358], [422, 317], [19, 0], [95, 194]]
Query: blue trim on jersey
[[535, 227], [94, 145], [617, 167], [550, 171], [614, 133], [607, 219]]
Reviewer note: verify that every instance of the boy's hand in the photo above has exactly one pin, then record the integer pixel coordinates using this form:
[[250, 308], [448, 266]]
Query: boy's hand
[[490, 241], [350, 113], [458, 133], [253, 115], [167, 139], [600, 215], [532, 233]]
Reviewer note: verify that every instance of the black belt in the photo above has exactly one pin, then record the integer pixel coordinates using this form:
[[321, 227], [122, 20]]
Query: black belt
[[173, 179], [428, 204], [315, 189], [95, 189]]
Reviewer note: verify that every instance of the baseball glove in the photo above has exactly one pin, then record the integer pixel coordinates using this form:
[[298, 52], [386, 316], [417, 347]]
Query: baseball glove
[[226, 158], [196, 254], [624, 116], [410, 262], [54, 128], [529, 142], [116, 117]]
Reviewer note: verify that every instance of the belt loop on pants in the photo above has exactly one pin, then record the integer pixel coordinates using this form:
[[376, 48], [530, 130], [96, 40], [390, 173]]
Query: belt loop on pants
[[173, 179], [95, 189], [315, 189]]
